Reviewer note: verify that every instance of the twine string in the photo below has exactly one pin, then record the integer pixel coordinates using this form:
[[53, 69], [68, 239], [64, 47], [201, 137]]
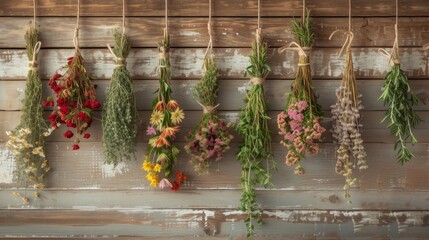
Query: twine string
[[209, 29], [123, 18], [257, 80], [208, 109], [34, 13], [258, 30], [303, 11], [120, 62], [76, 30], [32, 65], [347, 43], [393, 56], [166, 19]]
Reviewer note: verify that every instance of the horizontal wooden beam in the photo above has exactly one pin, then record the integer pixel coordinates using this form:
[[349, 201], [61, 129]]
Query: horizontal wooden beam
[[85, 168], [220, 8], [57, 32], [232, 62], [231, 93]]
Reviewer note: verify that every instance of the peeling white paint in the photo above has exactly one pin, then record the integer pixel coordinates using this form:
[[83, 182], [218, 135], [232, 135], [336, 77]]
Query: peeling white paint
[[188, 33], [109, 170], [7, 165]]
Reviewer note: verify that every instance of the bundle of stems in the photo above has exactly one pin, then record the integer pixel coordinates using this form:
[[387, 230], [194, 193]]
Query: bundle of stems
[[27, 140], [256, 146], [164, 124], [400, 100], [346, 126], [211, 138], [299, 123], [120, 113]]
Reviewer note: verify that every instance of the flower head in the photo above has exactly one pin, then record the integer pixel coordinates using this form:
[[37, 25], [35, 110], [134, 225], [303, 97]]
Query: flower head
[[156, 118], [160, 142], [164, 183], [75, 147], [159, 106], [150, 131], [172, 105], [177, 116], [169, 131], [68, 134]]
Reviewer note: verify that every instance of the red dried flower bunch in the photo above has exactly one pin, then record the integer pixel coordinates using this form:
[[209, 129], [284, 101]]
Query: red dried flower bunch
[[75, 99]]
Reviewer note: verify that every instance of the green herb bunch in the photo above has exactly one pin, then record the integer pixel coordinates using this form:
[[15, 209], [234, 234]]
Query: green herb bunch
[[119, 113], [399, 99], [303, 31], [164, 125], [27, 140], [256, 146], [211, 138]]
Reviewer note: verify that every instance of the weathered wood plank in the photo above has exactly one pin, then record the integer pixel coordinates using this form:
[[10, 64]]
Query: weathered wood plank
[[231, 93], [220, 8], [232, 62], [373, 130], [215, 223], [227, 32], [85, 169]]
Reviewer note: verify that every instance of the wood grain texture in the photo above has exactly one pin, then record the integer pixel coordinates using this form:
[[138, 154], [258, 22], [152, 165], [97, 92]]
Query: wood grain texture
[[221, 8], [219, 223], [56, 32], [85, 169], [231, 93], [373, 130], [187, 63]]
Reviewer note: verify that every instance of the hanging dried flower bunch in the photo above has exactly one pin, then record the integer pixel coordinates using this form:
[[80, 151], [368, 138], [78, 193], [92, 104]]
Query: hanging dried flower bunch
[[299, 123], [253, 127], [119, 111], [346, 123], [75, 98], [210, 139], [164, 124], [27, 140]]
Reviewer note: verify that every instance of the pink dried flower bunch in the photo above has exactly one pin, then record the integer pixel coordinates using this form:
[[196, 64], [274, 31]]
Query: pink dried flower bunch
[[210, 140], [301, 131]]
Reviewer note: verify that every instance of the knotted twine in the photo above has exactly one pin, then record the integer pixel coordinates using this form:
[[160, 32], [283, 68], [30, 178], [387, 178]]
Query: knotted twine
[[163, 54], [258, 80], [32, 65], [393, 56], [120, 62]]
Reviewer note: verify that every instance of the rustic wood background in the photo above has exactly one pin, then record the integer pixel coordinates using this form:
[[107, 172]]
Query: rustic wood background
[[85, 198]]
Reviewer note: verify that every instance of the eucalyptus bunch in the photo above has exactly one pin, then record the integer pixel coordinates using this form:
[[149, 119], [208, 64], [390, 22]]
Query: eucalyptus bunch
[[27, 140], [164, 124], [400, 100], [299, 123], [119, 112], [253, 127], [346, 126], [211, 138]]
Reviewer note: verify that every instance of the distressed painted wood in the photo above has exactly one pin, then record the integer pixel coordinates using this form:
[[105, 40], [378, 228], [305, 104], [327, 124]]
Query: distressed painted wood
[[220, 223], [227, 32], [373, 130], [186, 63], [231, 93], [221, 8], [85, 169]]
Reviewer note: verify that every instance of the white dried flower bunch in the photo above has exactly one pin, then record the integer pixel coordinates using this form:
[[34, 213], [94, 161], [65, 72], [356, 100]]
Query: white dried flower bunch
[[346, 127]]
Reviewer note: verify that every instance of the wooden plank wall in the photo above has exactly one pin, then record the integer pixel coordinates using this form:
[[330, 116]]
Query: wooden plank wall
[[86, 198]]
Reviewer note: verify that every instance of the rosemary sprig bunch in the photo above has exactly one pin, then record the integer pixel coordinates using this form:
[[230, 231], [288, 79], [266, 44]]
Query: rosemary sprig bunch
[[303, 30], [120, 112], [164, 124], [299, 123], [211, 138], [399, 99], [346, 126], [27, 140], [256, 146]]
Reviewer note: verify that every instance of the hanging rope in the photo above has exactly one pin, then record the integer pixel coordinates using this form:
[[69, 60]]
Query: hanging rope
[[76, 31], [120, 62], [258, 30], [393, 56], [32, 65], [166, 18], [303, 11], [34, 13], [349, 34], [209, 28], [294, 46]]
